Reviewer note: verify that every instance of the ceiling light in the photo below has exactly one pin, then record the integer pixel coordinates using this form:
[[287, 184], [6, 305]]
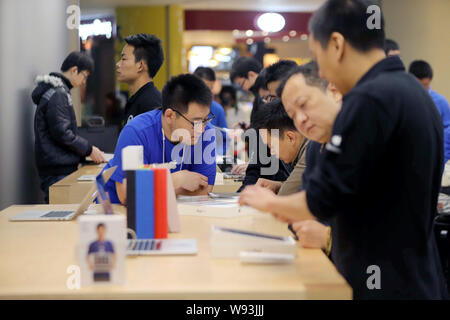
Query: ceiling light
[[213, 63], [225, 51], [271, 22]]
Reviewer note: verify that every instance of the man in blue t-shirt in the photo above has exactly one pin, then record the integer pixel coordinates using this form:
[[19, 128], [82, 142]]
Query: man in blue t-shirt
[[424, 73], [219, 122], [179, 132]]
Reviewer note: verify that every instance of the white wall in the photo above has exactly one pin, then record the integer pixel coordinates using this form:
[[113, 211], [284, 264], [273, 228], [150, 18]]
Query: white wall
[[422, 29], [34, 40]]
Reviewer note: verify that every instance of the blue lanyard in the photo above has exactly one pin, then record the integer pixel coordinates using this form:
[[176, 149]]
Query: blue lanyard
[[164, 150]]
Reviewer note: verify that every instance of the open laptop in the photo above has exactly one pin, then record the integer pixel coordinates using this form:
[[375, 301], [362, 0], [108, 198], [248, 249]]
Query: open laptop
[[57, 215]]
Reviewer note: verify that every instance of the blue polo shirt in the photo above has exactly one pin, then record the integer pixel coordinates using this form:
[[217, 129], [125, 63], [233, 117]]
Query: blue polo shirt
[[146, 130], [221, 122], [219, 115], [98, 246], [444, 109]]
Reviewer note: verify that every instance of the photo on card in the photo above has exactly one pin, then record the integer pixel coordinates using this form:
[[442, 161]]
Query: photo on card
[[102, 249]]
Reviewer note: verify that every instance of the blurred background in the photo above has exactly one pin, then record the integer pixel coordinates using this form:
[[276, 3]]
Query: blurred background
[[36, 35]]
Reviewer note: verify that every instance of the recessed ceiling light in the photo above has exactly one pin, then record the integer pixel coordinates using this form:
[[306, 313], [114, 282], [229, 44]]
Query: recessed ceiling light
[[271, 22]]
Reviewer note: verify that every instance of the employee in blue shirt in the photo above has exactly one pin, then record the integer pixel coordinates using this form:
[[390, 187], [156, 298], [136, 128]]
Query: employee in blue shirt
[[180, 132], [220, 122], [424, 73]]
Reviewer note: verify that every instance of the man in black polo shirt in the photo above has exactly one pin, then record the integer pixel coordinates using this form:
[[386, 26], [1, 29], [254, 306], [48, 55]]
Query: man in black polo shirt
[[377, 181], [140, 61]]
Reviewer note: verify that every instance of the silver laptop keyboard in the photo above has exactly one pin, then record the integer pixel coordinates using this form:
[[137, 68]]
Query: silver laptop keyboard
[[57, 214]]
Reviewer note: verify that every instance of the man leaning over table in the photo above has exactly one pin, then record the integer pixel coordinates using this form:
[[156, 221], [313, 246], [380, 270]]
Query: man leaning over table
[[179, 131]]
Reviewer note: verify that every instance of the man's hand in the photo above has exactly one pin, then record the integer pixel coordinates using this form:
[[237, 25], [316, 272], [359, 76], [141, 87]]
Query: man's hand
[[257, 197], [97, 155], [311, 234], [283, 218], [287, 209], [188, 180], [239, 168], [274, 186]]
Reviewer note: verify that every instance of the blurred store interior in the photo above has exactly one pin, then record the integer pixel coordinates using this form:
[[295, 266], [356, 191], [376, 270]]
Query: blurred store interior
[[37, 35]]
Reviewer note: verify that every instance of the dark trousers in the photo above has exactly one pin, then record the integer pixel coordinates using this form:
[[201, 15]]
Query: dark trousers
[[47, 181]]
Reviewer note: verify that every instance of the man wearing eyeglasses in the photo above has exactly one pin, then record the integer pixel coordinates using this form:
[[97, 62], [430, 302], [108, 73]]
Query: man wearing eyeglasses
[[179, 132], [274, 74]]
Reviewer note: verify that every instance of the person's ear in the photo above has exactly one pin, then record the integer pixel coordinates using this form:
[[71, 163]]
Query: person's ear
[[337, 45], [290, 135], [169, 115], [74, 70], [141, 66], [334, 92]]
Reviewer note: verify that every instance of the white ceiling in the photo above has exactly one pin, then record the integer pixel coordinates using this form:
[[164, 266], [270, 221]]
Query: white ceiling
[[260, 5]]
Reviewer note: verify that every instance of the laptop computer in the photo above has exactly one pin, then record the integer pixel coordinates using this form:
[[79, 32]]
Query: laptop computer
[[63, 215]]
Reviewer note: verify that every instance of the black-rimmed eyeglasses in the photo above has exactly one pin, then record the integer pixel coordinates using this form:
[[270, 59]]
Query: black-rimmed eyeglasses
[[193, 123]]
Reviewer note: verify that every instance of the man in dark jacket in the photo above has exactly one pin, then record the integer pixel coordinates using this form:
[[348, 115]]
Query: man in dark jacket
[[58, 147], [377, 180], [140, 61]]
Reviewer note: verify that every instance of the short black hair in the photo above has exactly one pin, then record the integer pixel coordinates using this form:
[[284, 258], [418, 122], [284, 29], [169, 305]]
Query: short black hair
[[80, 60], [205, 73], [100, 225], [349, 18], [147, 47], [310, 72], [273, 116], [260, 83], [230, 90], [183, 89], [421, 69], [242, 66], [390, 45], [279, 70]]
